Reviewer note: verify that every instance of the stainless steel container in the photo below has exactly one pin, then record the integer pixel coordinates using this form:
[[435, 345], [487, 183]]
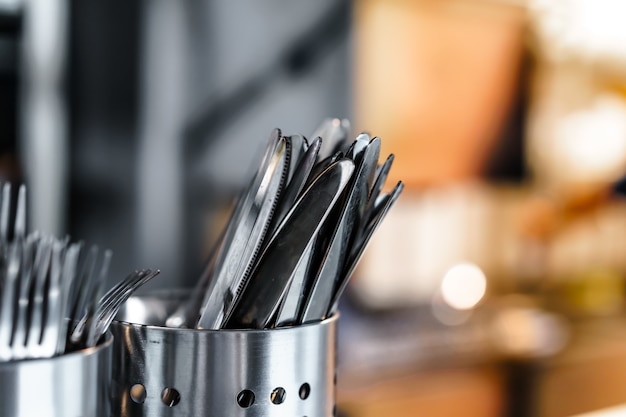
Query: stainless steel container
[[161, 371], [71, 385]]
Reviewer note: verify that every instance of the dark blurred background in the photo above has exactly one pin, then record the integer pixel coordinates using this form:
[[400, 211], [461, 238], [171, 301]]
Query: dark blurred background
[[495, 287]]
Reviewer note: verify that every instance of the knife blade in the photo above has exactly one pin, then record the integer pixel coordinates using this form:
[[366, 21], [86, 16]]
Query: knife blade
[[274, 272]]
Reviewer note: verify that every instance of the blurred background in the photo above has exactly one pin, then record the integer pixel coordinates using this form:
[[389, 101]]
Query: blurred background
[[495, 287]]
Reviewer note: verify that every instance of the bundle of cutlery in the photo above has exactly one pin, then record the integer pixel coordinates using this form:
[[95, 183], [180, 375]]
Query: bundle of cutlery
[[296, 233], [51, 300]]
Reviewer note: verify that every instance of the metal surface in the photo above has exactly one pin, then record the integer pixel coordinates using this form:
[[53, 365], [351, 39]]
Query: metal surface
[[98, 318], [274, 273], [334, 133], [71, 385], [295, 297], [296, 184], [298, 145], [291, 305], [41, 294], [117, 296], [380, 210], [243, 240], [365, 155], [187, 372]]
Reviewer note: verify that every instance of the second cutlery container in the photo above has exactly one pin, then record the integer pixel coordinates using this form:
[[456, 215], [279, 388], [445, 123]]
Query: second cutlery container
[[162, 371], [74, 384]]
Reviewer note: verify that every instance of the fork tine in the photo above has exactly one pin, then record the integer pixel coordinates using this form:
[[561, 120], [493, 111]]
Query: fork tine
[[20, 214], [68, 277], [81, 331], [112, 311], [107, 314], [20, 323], [108, 301], [82, 287], [119, 288], [93, 302], [53, 317], [9, 300], [5, 212], [38, 300], [85, 291]]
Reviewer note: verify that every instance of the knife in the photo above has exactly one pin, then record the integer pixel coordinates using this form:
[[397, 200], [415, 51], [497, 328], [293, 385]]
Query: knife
[[260, 298], [244, 243]]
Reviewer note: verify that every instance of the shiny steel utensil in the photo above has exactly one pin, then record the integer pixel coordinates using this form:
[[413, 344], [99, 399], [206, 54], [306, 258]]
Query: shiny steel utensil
[[321, 165], [54, 332], [18, 228], [46, 288], [298, 145], [239, 256], [358, 249], [381, 176], [12, 272], [292, 303], [29, 264], [270, 280], [359, 145], [334, 133], [38, 304], [86, 319], [12, 264], [275, 266], [111, 302], [349, 220], [69, 266], [296, 184], [5, 212], [82, 287]]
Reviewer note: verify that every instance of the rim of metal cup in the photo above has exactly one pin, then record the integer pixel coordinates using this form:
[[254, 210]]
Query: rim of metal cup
[[105, 342], [75, 384], [161, 371]]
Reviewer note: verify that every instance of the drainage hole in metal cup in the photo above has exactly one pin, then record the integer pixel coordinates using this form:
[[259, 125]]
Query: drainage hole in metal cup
[[245, 398], [278, 395], [170, 397], [138, 393], [305, 391]]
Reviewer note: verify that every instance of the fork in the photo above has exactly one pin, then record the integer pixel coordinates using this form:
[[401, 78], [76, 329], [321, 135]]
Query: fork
[[31, 258], [11, 266], [19, 227], [50, 289], [84, 297], [94, 324], [11, 271], [40, 303], [110, 304]]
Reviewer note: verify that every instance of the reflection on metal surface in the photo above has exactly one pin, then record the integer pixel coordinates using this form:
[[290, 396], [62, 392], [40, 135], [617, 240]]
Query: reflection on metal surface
[[75, 384], [279, 372]]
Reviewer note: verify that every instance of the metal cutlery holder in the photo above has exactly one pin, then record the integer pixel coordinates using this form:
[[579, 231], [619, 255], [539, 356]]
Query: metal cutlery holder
[[162, 371], [70, 385]]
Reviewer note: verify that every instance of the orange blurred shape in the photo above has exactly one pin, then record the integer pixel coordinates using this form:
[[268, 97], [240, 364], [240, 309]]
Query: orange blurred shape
[[435, 80]]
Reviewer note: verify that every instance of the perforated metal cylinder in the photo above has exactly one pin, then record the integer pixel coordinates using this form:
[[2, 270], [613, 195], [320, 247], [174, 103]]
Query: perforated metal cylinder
[[71, 385], [161, 371]]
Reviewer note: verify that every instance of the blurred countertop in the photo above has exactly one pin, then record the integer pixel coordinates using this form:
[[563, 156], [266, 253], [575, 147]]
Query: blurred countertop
[[402, 364]]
